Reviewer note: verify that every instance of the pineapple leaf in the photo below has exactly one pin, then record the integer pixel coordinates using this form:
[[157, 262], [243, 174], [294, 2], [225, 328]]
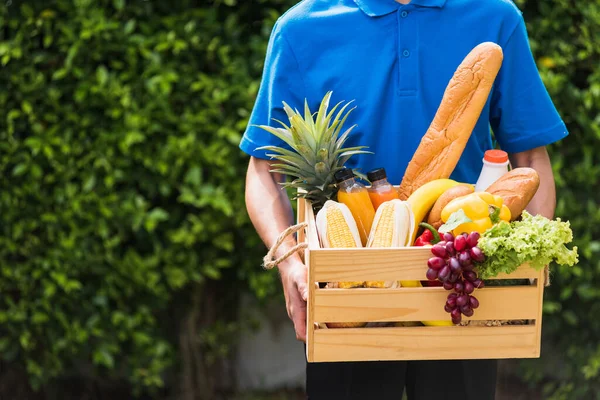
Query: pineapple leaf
[[336, 140], [354, 152], [287, 128], [281, 134], [284, 152], [310, 123], [302, 134], [299, 164], [322, 115]]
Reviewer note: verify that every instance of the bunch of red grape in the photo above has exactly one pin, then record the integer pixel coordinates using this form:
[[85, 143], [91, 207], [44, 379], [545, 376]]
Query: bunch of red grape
[[453, 264]]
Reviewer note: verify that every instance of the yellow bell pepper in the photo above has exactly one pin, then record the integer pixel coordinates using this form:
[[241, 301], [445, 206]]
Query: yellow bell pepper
[[482, 208]]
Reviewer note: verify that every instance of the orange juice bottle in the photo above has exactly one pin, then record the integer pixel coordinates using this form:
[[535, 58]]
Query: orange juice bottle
[[381, 190], [355, 195]]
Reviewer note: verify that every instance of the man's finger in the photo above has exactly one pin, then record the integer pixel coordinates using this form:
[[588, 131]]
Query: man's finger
[[300, 325], [303, 289]]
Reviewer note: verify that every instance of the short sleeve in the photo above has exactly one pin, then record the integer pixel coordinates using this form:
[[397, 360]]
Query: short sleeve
[[281, 81], [522, 114]]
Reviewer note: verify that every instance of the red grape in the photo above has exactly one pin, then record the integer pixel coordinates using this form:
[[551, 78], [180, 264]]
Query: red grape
[[470, 276], [469, 288], [473, 302], [450, 248], [459, 287], [468, 267], [431, 274], [448, 286], [452, 296], [441, 243], [473, 238], [436, 263], [444, 273], [454, 264], [462, 300], [438, 250], [453, 277], [448, 308], [478, 283], [477, 254], [460, 243], [451, 301], [464, 258], [448, 237], [456, 317], [467, 311]]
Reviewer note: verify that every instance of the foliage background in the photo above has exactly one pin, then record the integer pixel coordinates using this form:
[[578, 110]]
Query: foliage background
[[124, 241]]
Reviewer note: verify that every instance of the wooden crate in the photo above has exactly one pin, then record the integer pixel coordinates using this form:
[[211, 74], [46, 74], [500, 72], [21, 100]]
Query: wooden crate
[[409, 304]]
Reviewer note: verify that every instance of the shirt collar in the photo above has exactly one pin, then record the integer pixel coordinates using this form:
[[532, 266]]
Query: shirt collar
[[377, 8]]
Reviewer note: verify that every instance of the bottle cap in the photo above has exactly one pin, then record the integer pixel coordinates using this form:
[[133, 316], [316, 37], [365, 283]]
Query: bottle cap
[[376, 174], [343, 174], [495, 156]]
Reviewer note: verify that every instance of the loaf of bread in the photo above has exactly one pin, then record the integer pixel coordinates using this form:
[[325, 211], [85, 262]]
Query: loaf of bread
[[435, 215], [460, 108], [517, 187]]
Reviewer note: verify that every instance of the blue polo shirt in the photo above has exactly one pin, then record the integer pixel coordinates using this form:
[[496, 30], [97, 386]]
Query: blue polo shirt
[[395, 61]]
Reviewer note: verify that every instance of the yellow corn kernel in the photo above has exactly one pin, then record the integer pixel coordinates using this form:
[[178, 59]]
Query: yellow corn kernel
[[338, 231], [384, 232]]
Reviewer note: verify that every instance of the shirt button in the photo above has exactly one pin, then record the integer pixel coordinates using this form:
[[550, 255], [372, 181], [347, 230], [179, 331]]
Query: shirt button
[[406, 53], [404, 14]]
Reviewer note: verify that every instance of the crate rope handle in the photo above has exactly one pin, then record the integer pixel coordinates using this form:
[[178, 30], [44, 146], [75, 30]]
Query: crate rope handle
[[268, 261]]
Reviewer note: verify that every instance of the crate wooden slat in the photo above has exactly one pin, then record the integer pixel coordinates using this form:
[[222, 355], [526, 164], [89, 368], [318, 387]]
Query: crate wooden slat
[[347, 265], [425, 343], [420, 304], [523, 302]]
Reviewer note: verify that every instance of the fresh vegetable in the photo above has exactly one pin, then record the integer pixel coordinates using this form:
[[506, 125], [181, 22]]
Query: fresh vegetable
[[336, 228], [392, 227], [424, 239], [435, 215], [316, 151], [453, 264], [535, 240], [429, 236], [423, 199], [475, 212]]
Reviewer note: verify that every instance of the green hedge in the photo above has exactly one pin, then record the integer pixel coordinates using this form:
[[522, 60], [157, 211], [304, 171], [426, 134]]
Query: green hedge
[[565, 40], [122, 181], [122, 184]]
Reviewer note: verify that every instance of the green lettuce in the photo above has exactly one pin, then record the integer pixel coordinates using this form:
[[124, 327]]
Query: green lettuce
[[536, 240]]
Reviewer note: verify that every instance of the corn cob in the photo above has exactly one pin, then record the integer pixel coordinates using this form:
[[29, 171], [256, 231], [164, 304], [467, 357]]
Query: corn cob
[[392, 227], [337, 228]]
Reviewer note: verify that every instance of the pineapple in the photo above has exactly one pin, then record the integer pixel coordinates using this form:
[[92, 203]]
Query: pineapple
[[317, 150]]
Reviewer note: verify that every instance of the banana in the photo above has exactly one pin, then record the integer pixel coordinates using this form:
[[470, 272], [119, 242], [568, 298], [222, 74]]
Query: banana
[[423, 199]]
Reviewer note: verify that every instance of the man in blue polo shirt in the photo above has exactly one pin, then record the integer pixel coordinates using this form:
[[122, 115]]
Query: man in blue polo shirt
[[394, 58]]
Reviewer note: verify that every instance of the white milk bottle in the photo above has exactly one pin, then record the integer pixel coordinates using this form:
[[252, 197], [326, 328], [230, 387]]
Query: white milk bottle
[[495, 164]]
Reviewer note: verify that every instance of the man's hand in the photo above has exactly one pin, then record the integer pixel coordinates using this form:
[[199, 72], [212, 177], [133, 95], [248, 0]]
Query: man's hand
[[295, 289], [271, 213], [544, 201]]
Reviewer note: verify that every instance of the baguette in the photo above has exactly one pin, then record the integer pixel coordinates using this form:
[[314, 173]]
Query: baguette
[[517, 187], [460, 108]]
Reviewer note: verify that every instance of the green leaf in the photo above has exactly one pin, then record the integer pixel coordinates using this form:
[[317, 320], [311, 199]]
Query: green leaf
[[455, 220], [102, 75]]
